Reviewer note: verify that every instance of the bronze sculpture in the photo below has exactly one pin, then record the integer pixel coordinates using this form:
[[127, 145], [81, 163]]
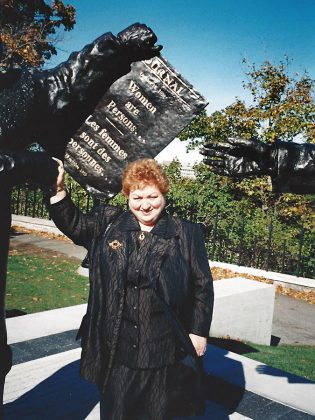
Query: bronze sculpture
[[290, 165], [47, 107]]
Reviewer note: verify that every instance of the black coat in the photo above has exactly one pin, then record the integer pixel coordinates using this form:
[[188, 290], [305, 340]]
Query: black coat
[[176, 265]]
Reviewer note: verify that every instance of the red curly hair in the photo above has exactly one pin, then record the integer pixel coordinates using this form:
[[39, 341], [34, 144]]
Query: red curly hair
[[144, 172]]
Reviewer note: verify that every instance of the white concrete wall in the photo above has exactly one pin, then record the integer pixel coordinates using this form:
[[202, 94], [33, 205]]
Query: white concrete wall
[[243, 309], [287, 280], [41, 324]]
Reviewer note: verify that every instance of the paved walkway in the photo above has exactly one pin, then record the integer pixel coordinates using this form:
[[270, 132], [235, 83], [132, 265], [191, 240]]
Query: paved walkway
[[293, 321], [59, 245], [44, 381]]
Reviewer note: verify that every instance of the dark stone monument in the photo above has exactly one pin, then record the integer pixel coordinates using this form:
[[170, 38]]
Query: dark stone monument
[[137, 117]]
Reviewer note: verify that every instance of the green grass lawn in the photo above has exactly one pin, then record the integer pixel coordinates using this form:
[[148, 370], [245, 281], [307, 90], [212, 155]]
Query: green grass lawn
[[39, 281], [296, 359]]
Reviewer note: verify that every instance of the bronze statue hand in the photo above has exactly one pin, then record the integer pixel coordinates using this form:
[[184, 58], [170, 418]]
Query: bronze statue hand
[[48, 106], [240, 158], [139, 40], [17, 167]]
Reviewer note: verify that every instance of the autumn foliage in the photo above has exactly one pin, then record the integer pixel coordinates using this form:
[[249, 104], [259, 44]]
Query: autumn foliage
[[280, 106], [29, 31]]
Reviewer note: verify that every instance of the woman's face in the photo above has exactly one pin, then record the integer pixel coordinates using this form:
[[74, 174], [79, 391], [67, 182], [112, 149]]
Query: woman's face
[[146, 204]]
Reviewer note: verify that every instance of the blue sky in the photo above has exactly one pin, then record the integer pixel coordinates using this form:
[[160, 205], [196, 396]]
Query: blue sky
[[206, 40]]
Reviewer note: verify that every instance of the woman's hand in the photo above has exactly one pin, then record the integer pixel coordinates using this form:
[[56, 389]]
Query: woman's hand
[[200, 344], [59, 187]]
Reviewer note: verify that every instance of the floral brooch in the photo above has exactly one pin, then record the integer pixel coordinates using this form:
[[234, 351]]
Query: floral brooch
[[115, 244]]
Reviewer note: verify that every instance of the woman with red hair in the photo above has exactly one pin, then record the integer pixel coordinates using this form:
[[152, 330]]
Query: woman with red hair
[[151, 294]]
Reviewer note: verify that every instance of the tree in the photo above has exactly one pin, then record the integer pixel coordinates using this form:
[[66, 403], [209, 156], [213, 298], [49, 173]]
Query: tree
[[281, 107], [236, 229], [28, 31]]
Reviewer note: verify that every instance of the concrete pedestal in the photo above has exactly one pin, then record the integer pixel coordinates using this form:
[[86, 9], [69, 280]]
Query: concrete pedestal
[[243, 309]]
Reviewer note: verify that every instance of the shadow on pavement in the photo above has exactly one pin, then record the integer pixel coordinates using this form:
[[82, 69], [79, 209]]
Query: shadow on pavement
[[64, 395], [14, 233], [11, 313], [292, 379], [232, 345], [223, 397]]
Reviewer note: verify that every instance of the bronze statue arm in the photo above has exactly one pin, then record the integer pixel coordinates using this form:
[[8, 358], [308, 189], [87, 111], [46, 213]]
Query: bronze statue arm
[[87, 74], [18, 167], [290, 165], [49, 106], [240, 158], [68, 94], [295, 168]]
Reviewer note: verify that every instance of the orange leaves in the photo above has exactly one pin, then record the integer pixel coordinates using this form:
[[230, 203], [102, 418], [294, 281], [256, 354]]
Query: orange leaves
[[307, 296], [27, 30], [65, 13]]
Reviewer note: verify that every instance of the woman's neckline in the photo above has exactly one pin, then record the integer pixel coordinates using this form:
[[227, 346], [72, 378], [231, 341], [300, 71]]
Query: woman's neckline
[[145, 228]]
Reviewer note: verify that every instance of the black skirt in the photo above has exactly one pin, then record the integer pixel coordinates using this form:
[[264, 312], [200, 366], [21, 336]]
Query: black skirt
[[139, 394]]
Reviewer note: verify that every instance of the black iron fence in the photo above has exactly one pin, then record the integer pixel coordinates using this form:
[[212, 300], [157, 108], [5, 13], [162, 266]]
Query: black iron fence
[[241, 246], [267, 255], [31, 201]]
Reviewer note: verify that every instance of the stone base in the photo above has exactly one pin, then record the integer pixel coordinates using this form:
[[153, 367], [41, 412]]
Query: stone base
[[243, 310], [83, 271]]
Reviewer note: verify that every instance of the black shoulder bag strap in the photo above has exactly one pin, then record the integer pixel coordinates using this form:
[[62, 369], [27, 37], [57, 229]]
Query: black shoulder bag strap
[[177, 326]]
